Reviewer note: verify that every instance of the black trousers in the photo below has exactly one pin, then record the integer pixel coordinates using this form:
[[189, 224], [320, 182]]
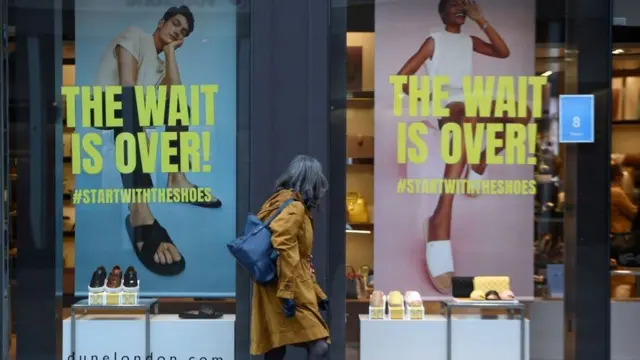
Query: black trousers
[[137, 179]]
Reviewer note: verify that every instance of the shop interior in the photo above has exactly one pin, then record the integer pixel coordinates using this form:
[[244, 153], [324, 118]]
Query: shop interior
[[360, 230], [549, 203], [548, 242]]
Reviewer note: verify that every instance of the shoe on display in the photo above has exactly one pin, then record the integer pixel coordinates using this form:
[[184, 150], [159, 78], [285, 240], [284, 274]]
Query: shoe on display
[[130, 278], [376, 299], [205, 312], [477, 295], [98, 278], [413, 299], [115, 278], [492, 295], [395, 299], [507, 295]]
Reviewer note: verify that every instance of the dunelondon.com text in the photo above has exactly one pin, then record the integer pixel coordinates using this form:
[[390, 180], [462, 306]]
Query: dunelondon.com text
[[152, 356]]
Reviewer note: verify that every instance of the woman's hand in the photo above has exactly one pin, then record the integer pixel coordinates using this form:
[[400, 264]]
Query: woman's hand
[[289, 308], [473, 10], [323, 304]]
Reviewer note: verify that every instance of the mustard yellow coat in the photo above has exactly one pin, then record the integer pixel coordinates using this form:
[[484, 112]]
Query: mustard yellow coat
[[292, 236]]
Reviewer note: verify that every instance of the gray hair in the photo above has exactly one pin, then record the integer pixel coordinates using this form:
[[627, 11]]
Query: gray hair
[[304, 176]]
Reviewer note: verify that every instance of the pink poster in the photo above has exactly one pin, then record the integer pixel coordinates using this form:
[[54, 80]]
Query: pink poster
[[443, 210]]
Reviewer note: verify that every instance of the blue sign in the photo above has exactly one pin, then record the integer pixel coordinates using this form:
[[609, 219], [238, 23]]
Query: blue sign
[[555, 280], [576, 119]]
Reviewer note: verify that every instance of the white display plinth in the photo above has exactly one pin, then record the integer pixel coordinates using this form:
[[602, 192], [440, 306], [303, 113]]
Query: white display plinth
[[472, 338], [116, 336], [547, 329]]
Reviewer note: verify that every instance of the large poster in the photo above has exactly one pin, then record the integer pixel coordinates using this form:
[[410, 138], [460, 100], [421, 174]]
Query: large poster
[[153, 144], [455, 143]]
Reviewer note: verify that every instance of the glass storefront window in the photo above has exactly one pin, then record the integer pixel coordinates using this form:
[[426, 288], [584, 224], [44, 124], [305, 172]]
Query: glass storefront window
[[449, 225], [141, 133], [140, 151]]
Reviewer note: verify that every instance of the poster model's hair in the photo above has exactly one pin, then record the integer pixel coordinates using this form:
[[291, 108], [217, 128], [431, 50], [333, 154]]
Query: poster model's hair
[[181, 10]]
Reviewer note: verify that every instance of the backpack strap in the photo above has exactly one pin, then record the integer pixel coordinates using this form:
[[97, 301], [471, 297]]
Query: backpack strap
[[277, 212]]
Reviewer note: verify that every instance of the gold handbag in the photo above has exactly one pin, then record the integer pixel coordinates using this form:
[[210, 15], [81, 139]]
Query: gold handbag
[[357, 209], [496, 283]]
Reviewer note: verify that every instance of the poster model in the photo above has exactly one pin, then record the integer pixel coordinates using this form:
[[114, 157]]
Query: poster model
[[456, 99], [154, 152]]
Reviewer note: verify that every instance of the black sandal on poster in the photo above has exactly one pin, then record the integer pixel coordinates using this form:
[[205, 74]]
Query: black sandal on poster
[[152, 236], [214, 203]]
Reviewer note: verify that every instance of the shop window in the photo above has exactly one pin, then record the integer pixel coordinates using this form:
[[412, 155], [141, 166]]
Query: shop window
[[146, 153], [624, 193], [396, 176]]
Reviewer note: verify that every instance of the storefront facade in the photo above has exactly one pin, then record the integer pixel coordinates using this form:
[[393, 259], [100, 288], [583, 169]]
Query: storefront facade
[[284, 72]]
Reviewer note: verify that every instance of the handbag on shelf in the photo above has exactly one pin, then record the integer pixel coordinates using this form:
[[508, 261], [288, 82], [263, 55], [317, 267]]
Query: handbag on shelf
[[462, 287], [357, 209], [496, 283], [352, 282], [622, 242]]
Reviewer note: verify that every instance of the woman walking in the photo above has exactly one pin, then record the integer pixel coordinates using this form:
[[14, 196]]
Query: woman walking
[[287, 311]]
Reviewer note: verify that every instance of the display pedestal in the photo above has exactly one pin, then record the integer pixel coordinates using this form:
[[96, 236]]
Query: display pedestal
[[515, 315], [472, 337], [116, 336], [547, 329]]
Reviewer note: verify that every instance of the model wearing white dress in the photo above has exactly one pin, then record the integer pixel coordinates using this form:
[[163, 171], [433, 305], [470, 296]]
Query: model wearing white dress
[[452, 57]]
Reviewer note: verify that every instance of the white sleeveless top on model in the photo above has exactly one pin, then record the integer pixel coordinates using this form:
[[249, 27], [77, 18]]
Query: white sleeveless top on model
[[452, 57]]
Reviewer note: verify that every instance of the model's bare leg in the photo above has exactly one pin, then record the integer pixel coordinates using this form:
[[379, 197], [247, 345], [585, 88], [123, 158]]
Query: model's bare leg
[[481, 167], [437, 229], [179, 179]]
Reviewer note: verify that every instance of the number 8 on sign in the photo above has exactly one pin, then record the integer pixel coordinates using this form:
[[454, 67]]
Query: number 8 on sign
[[576, 122]]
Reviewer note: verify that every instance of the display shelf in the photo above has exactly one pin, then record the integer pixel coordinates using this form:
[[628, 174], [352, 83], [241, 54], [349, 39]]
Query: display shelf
[[360, 95], [360, 99], [548, 219], [361, 227], [549, 215], [149, 306], [360, 161], [626, 122]]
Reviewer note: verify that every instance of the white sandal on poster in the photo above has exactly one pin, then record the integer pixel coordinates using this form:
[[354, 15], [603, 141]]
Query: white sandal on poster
[[439, 258]]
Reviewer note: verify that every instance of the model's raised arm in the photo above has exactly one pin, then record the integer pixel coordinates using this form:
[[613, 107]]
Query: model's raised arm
[[412, 65], [495, 47]]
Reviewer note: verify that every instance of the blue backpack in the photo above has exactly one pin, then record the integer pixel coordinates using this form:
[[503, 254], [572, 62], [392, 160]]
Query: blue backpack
[[254, 251]]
